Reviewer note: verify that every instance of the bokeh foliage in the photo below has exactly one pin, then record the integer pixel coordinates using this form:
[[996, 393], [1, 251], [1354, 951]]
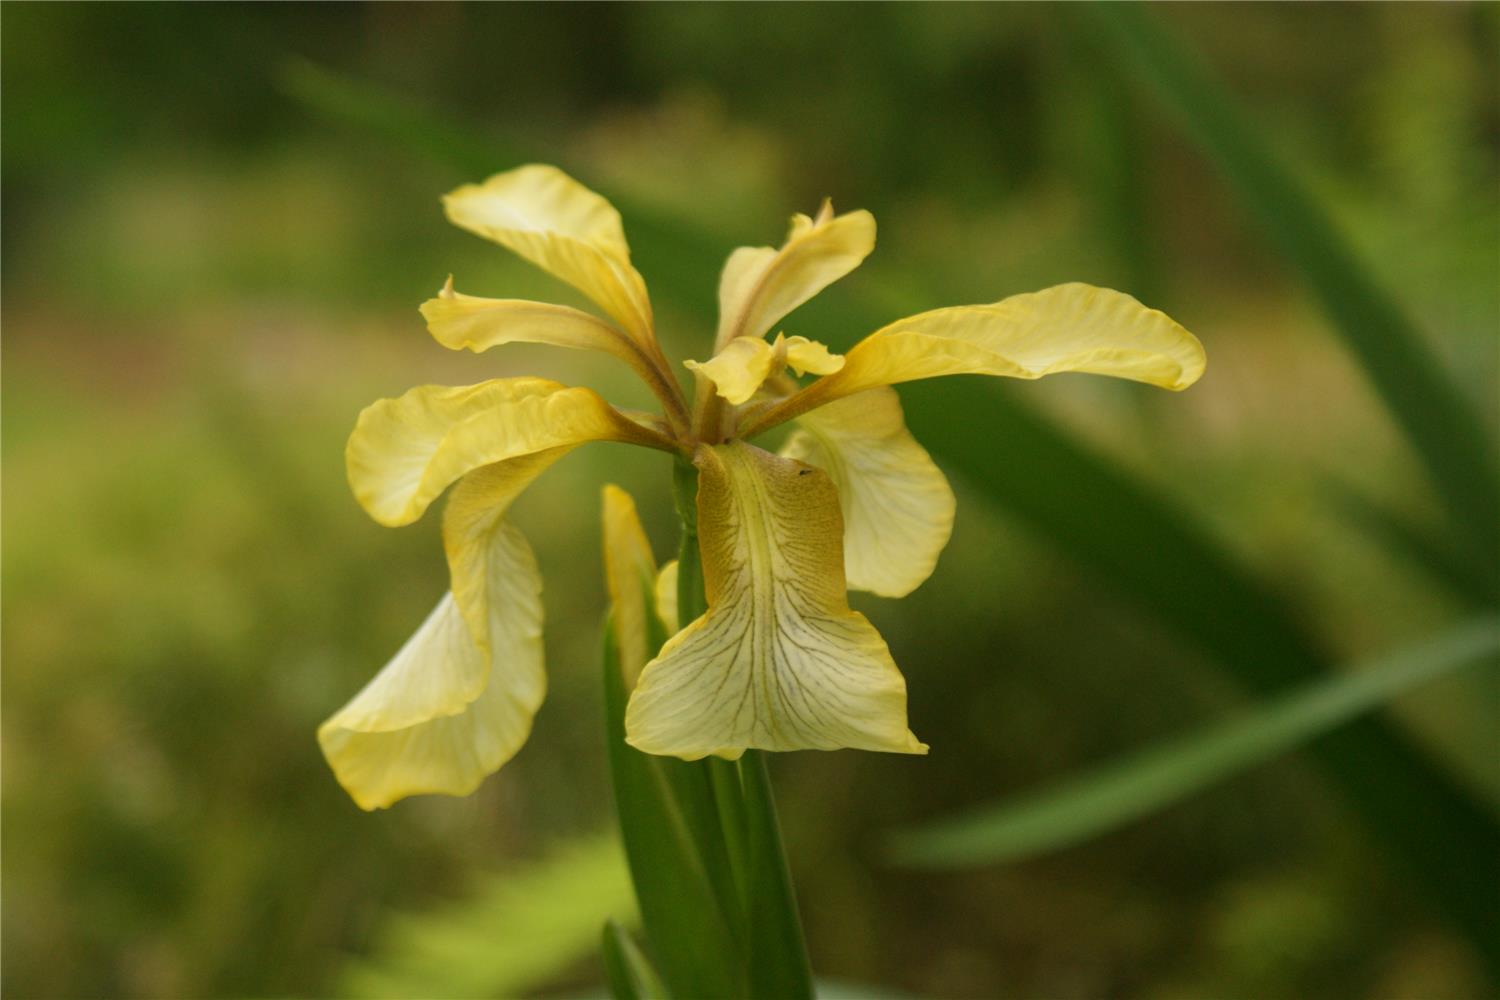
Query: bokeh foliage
[[206, 281]]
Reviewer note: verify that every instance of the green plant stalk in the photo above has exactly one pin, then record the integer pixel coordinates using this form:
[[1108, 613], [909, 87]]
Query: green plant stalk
[[724, 776], [689, 908], [1138, 784], [630, 973], [778, 963]]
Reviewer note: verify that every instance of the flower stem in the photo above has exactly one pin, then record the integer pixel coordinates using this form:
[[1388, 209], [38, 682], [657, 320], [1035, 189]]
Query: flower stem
[[747, 810]]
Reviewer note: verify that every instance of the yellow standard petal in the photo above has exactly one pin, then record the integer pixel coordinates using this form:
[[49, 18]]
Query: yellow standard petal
[[744, 364], [404, 452], [630, 575], [803, 356], [760, 285], [897, 505], [474, 516], [443, 713], [779, 661], [1069, 328], [561, 226], [738, 370]]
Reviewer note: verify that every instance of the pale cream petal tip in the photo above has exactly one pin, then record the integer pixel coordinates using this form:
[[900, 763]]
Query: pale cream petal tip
[[443, 714]]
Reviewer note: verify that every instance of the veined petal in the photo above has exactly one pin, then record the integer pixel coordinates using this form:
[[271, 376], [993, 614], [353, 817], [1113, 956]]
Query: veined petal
[[443, 714], [475, 513], [404, 452], [779, 661], [1068, 328], [738, 369], [561, 226], [460, 321], [629, 574], [761, 285], [897, 505]]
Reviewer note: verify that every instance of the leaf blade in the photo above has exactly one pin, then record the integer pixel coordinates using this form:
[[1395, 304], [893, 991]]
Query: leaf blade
[[1444, 429], [1107, 797], [628, 970], [669, 825], [516, 930]]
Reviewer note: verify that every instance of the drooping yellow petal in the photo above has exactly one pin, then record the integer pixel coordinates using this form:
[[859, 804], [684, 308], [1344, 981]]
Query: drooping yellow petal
[[564, 228], [761, 285], [443, 713], [779, 661], [459, 321], [738, 369], [666, 598], [475, 512], [404, 452], [805, 356], [1069, 328], [897, 505], [629, 574]]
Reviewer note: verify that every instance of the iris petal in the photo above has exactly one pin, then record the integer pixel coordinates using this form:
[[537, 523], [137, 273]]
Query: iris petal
[[443, 713], [897, 505], [1068, 328], [630, 575], [760, 285], [559, 225], [779, 661], [738, 370], [404, 452], [459, 321]]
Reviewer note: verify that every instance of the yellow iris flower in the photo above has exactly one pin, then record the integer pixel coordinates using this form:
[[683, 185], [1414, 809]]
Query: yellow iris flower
[[779, 661]]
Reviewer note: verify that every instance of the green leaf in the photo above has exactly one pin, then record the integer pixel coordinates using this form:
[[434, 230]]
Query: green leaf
[[1444, 429], [517, 930], [396, 118], [1416, 543], [1160, 559], [629, 971], [1101, 800], [683, 883], [780, 967]]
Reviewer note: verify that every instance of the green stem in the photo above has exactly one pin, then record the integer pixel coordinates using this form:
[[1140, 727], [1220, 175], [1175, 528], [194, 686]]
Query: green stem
[[778, 953], [747, 809]]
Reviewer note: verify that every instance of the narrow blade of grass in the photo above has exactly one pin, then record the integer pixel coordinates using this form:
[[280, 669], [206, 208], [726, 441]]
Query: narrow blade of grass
[[1099, 801], [1159, 559], [628, 970], [1419, 545]]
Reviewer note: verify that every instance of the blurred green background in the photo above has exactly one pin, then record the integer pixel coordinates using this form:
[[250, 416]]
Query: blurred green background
[[208, 272]]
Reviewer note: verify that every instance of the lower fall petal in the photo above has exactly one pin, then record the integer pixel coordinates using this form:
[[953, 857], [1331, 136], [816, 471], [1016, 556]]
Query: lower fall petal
[[779, 661], [443, 713]]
